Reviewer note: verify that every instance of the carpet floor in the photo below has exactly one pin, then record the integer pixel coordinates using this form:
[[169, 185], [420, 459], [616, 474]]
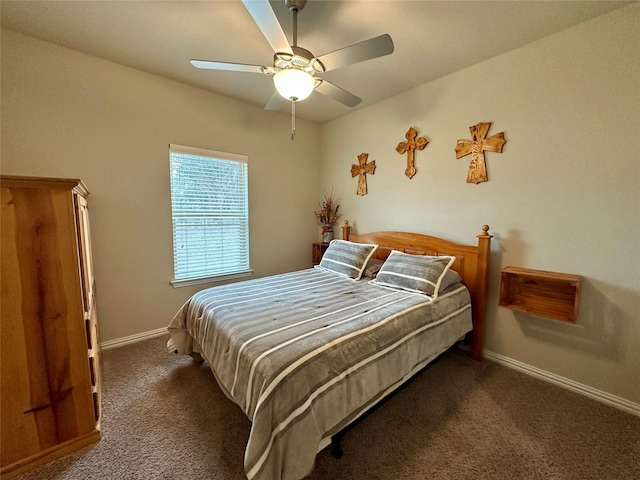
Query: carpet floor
[[164, 417]]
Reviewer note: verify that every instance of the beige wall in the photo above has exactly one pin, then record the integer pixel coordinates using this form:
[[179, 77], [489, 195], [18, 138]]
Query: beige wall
[[563, 196], [66, 114]]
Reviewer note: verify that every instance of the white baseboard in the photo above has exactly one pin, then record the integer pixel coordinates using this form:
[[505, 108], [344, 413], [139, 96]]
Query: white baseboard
[[587, 391], [138, 337]]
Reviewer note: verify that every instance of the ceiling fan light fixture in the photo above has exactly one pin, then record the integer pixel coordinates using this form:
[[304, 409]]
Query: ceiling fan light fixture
[[294, 84]]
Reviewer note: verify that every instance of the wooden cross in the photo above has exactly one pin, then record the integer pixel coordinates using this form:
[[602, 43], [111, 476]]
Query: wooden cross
[[409, 147], [362, 169], [476, 147]]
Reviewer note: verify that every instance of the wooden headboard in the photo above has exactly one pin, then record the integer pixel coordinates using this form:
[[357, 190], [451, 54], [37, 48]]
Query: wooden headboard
[[472, 263]]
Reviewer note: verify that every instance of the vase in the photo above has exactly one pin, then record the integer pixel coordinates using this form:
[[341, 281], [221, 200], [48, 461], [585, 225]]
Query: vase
[[327, 234]]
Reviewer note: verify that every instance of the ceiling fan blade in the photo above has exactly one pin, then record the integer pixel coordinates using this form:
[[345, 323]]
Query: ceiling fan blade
[[267, 22], [338, 94], [231, 67], [359, 52]]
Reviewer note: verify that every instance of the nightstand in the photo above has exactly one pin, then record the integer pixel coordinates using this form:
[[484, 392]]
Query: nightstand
[[318, 251]]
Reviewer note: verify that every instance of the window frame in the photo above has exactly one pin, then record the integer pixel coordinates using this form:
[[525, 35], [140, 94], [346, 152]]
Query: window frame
[[214, 155]]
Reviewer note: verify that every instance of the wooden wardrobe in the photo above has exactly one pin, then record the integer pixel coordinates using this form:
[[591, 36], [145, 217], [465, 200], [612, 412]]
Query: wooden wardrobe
[[49, 333]]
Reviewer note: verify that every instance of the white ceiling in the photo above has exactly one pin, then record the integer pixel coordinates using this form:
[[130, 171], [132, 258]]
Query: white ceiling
[[431, 38]]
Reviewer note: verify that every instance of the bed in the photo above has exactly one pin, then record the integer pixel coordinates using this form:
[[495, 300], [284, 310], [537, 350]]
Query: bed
[[305, 354]]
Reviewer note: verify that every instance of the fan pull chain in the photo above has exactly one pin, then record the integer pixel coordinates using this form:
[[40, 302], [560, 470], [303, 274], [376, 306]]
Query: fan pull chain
[[293, 119]]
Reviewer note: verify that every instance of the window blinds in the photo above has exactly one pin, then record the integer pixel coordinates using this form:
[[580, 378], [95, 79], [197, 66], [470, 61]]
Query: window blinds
[[210, 211]]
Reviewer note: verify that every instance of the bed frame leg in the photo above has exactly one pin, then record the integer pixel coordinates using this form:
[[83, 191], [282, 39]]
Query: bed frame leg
[[336, 449], [196, 357]]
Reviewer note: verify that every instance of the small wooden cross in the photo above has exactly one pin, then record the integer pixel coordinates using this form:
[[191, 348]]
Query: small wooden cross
[[362, 169], [409, 147], [476, 147]]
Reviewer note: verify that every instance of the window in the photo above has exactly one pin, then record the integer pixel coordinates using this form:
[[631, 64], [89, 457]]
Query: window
[[210, 212]]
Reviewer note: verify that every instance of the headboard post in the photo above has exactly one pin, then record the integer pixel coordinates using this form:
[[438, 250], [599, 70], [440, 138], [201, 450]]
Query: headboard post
[[480, 298], [346, 230]]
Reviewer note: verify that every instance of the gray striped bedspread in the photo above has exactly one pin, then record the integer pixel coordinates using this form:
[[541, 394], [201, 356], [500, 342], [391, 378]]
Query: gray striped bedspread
[[305, 353]]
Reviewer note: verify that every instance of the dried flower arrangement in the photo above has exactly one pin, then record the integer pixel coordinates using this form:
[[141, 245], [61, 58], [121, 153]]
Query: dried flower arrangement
[[327, 215]]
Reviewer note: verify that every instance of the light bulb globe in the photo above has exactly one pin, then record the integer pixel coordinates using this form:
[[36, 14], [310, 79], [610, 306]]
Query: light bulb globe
[[294, 84]]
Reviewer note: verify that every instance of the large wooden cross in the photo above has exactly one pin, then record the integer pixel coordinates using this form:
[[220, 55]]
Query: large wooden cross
[[476, 147], [362, 169], [409, 147]]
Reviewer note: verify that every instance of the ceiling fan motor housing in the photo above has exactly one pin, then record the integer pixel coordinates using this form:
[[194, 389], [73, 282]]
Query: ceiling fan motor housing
[[302, 59]]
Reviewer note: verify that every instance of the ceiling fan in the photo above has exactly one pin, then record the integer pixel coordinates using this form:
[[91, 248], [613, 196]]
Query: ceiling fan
[[296, 71]]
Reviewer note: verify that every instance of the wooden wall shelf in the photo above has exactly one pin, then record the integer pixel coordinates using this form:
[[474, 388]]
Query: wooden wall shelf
[[538, 292]]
